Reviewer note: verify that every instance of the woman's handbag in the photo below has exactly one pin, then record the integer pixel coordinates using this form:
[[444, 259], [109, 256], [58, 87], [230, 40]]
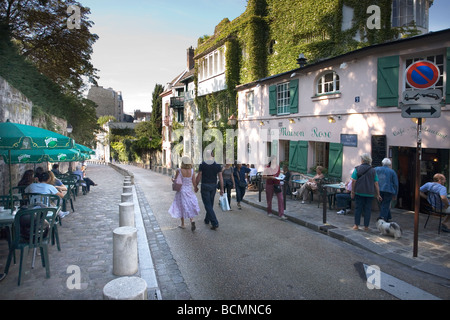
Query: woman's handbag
[[177, 183], [276, 188]]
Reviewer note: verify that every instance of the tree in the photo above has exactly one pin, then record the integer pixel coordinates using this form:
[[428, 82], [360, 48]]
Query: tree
[[41, 30], [156, 117]]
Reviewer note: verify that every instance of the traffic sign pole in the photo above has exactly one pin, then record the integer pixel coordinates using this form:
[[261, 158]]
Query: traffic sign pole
[[417, 192]]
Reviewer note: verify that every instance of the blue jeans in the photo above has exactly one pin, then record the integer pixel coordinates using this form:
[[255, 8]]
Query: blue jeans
[[363, 204], [385, 205], [208, 192]]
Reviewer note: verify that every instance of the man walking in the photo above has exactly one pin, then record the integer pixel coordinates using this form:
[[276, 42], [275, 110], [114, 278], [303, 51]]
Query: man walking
[[388, 183], [208, 172]]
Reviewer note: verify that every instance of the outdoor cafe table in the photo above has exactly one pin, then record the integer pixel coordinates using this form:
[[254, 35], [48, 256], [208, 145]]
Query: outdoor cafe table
[[6, 218], [332, 195]]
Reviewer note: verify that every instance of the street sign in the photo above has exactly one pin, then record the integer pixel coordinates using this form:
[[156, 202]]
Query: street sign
[[422, 74], [429, 96], [421, 111]]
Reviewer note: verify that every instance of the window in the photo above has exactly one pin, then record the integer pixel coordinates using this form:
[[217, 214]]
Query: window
[[321, 154], [438, 60], [283, 98], [328, 83], [250, 103], [409, 12], [212, 64]]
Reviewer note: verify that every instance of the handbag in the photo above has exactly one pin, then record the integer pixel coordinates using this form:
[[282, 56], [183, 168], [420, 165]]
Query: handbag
[[276, 188], [223, 202], [177, 183]]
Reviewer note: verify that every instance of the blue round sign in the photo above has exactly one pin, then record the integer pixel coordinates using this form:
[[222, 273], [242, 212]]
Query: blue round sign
[[422, 74]]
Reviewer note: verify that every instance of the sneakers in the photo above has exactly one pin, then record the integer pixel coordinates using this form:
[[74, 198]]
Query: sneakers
[[270, 215], [239, 206], [342, 212], [62, 214], [283, 217], [295, 193], [303, 201]]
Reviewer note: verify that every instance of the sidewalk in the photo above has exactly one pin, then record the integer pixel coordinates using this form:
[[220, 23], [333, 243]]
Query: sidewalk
[[433, 254]]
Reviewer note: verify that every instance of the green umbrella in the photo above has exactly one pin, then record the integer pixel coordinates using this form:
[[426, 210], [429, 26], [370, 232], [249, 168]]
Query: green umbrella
[[84, 149], [41, 155], [15, 136]]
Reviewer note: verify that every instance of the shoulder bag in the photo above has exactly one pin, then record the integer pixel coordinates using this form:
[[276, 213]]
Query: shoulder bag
[[178, 182]]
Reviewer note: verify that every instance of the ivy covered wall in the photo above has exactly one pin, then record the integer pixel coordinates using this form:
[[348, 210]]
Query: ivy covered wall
[[269, 36]]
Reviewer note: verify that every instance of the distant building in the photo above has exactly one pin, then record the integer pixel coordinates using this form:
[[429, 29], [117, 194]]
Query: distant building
[[109, 102], [140, 116]]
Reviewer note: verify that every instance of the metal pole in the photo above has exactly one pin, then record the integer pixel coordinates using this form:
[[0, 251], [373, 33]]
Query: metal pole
[[416, 191], [325, 196]]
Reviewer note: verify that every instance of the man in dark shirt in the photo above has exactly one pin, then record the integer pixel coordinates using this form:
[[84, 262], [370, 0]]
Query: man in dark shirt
[[208, 172]]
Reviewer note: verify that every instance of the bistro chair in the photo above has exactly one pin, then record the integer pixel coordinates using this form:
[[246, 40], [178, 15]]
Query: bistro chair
[[32, 230], [435, 207], [70, 195], [51, 201], [5, 201]]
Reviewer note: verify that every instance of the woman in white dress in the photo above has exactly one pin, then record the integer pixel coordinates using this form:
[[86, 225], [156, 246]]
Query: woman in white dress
[[185, 205]]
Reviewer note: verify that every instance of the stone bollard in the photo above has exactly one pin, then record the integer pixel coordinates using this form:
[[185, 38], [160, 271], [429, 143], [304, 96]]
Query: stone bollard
[[126, 214], [127, 189], [127, 197], [125, 288], [125, 252], [127, 183]]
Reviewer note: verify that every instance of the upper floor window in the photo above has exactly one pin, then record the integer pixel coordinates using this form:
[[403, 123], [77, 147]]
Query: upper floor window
[[328, 83], [283, 98], [212, 64], [407, 13]]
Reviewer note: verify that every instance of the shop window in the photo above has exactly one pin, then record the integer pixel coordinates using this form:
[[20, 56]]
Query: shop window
[[328, 83]]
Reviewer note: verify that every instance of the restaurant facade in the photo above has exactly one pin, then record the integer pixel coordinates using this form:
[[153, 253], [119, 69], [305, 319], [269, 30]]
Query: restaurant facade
[[329, 112]]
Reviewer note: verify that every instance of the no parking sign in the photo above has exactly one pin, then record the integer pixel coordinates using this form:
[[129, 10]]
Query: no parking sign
[[422, 74]]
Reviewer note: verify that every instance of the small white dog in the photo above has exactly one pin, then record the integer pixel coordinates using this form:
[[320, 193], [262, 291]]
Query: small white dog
[[389, 228]]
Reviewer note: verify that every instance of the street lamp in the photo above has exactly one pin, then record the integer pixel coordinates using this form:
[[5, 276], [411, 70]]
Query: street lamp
[[232, 120], [301, 60]]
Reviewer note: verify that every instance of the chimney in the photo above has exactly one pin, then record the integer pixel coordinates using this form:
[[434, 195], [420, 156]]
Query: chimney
[[190, 58]]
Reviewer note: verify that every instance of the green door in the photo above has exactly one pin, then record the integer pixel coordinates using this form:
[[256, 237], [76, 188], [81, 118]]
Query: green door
[[335, 160], [298, 156]]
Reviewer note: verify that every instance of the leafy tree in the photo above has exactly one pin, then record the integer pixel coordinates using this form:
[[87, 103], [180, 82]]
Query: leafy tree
[[40, 29], [156, 117]]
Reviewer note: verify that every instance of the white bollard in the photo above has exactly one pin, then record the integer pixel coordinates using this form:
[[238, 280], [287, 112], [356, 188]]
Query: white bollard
[[125, 252], [127, 197], [125, 288], [127, 183], [127, 189], [126, 214]]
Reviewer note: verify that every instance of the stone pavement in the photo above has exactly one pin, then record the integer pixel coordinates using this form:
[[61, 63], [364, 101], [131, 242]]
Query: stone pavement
[[433, 254], [86, 245]]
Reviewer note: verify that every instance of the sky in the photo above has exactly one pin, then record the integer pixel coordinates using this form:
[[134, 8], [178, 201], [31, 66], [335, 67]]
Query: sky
[[144, 43]]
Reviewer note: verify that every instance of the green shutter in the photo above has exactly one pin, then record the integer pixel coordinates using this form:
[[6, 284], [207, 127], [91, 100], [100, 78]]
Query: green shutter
[[335, 160], [388, 81], [302, 156], [293, 145], [447, 85], [273, 100], [293, 96]]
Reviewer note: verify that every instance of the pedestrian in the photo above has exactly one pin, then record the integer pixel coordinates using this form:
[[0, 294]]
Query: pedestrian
[[185, 204], [240, 177], [364, 188], [438, 186], [228, 181], [388, 183], [273, 185], [208, 172], [287, 178]]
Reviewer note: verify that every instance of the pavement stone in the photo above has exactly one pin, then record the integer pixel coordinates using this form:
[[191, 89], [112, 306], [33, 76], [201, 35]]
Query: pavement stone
[[86, 237]]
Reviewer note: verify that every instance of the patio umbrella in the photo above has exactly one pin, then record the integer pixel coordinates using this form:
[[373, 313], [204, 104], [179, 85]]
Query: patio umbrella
[[15, 136], [84, 149], [41, 155]]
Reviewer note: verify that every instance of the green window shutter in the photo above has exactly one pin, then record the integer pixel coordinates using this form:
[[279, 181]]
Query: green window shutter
[[293, 94], [388, 81], [273, 100], [293, 155], [335, 160], [447, 85], [302, 156]]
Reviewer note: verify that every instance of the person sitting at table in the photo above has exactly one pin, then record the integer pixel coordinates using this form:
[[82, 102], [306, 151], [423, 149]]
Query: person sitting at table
[[438, 186], [85, 181], [43, 187], [287, 178], [55, 170], [56, 182], [27, 179], [344, 199], [310, 185]]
